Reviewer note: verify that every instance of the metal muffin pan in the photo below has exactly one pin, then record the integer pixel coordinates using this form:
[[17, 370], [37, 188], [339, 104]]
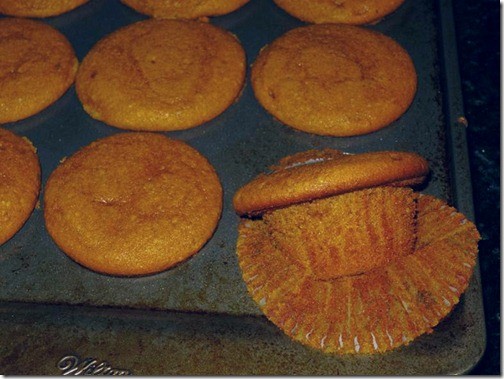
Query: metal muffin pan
[[197, 318]]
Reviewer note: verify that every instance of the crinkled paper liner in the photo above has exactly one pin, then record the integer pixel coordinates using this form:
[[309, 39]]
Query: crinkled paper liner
[[374, 312]]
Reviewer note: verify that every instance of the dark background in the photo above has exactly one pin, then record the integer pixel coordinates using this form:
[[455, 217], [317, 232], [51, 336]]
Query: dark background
[[478, 34]]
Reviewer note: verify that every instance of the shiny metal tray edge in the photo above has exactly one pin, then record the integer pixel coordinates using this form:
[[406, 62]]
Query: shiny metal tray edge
[[457, 141]]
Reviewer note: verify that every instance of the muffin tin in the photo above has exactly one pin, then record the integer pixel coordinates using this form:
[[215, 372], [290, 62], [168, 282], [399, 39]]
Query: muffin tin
[[197, 318]]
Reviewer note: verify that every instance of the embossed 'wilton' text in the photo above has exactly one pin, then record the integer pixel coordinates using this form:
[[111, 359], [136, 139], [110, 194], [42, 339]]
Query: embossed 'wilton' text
[[72, 365]]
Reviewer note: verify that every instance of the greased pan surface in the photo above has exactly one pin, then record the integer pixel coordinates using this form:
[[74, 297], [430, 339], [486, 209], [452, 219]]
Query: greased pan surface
[[197, 318]]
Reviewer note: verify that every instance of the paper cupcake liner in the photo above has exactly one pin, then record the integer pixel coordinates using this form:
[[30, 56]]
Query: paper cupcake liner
[[379, 310], [382, 217]]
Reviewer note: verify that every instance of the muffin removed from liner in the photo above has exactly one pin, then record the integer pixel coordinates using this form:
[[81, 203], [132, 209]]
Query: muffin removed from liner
[[342, 11], [161, 75], [337, 80], [364, 268], [38, 8], [187, 9], [37, 66], [19, 182], [133, 204], [316, 174]]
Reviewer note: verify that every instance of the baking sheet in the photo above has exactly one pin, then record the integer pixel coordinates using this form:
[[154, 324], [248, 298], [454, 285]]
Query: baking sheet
[[197, 318]]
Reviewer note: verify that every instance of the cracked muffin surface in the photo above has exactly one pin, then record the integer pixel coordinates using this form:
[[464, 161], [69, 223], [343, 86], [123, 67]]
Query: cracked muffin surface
[[37, 66], [337, 80], [133, 204], [19, 182], [161, 75]]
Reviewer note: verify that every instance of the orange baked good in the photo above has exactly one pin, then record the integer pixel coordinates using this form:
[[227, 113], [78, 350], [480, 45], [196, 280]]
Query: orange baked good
[[342, 11], [316, 174], [37, 66], [337, 80], [188, 9], [133, 204], [161, 75], [38, 8], [19, 182], [359, 272], [295, 230]]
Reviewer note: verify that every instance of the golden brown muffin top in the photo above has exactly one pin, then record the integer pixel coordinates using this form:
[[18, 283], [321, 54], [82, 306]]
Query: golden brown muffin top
[[316, 174], [38, 8], [19, 182], [133, 204], [187, 9], [339, 11], [161, 75], [37, 65], [337, 80]]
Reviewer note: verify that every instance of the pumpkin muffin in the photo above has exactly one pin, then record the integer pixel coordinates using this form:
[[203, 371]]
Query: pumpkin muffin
[[38, 8], [342, 11], [337, 80], [188, 9], [19, 182], [362, 271], [133, 204], [316, 174], [37, 66], [161, 75]]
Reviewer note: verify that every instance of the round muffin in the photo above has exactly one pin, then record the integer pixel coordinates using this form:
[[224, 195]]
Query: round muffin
[[19, 182], [133, 204], [343, 11], [38, 8], [37, 66], [362, 271], [161, 75], [337, 80], [188, 9], [316, 174]]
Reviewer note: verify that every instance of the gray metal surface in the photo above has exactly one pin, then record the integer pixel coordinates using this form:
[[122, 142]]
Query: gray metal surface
[[197, 318]]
